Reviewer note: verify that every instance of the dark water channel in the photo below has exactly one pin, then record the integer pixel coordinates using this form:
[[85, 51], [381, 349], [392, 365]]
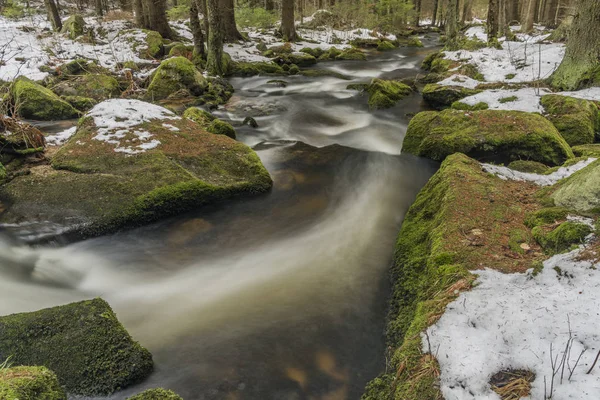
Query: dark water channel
[[277, 297]]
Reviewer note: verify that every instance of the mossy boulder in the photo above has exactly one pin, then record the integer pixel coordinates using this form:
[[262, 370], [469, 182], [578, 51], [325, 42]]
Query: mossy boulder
[[34, 101], [351, 54], [130, 163], [441, 96], [299, 59], [30, 383], [385, 45], [80, 66], [153, 45], [427, 62], [488, 135], [256, 68], [156, 394], [80, 103], [209, 122], [562, 238], [386, 93], [83, 343], [546, 216], [175, 74], [532, 167], [219, 127], [74, 26], [580, 191], [577, 120], [590, 150], [94, 86], [408, 41], [182, 50]]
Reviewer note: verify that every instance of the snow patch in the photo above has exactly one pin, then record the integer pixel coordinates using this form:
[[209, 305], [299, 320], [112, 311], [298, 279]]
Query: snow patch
[[460, 80], [116, 117], [527, 99], [542, 180], [509, 321], [57, 139]]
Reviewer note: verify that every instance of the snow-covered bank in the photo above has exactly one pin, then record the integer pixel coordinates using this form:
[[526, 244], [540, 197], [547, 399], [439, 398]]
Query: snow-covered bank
[[542, 180], [521, 321]]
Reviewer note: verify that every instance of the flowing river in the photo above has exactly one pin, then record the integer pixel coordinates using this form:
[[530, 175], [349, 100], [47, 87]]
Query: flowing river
[[282, 296]]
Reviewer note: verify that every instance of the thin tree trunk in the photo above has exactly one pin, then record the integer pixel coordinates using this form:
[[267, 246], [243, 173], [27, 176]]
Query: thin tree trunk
[[581, 65], [451, 21], [512, 11], [436, 4], [269, 5], [230, 31], [301, 10], [492, 21], [202, 8], [196, 29], [467, 14], [156, 12], [99, 8], [531, 6], [214, 63], [288, 29], [138, 10], [417, 20], [53, 15]]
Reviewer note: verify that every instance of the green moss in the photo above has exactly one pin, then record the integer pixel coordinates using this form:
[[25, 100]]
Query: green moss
[[577, 120], [30, 383], [294, 70], [258, 68], [408, 41], [439, 65], [330, 54], [315, 52], [459, 105], [156, 394], [386, 93], [154, 45], [175, 74], [545, 216], [219, 127], [508, 99], [298, 58], [80, 66], [589, 150], [509, 76], [440, 96], [562, 238], [3, 175], [34, 101], [465, 43], [351, 54], [74, 26], [96, 86], [131, 65], [385, 45], [83, 343], [488, 135], [199, 116], [361, 87], [181, 50], [580, 190], [80, 103], [429, 59], [528, 166]]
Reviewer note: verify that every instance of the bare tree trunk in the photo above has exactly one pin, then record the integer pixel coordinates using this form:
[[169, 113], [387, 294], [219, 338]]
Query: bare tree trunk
[[492, 21], [214, 63], [155, 17], [230, 31], [269, 5], [530, 14], [436, 4], [581, 65], [550, 13], [196, 29], [301, 10], [512, 11], [53, 15], [202, 8], [417, 20], [99, 8], [467, 14], [451, 21], [288, 29]]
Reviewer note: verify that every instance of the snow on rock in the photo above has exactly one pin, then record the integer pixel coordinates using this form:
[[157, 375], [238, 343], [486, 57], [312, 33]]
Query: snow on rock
[[526, 99], [460, 80], [592, 93], [515, 62], [116, 117], [542, 180], [57, 139], [509, 321]]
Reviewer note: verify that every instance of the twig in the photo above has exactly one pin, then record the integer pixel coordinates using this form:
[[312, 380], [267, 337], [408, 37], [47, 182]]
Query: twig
[[594, 364]]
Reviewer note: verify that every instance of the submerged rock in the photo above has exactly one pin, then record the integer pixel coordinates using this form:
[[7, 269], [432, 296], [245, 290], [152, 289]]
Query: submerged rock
[[386, 93], [74, 26], [580, 191], [156, 394], [174, 74], [489, 135], [83, 343], [30, 383], [440, 96], [34, 101], [577, 120], [129, 163]]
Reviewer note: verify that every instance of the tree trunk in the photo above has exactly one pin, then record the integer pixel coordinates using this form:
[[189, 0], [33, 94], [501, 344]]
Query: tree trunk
[[125, 5], [451, 21], [99, 8], [467, 14], [530, 14], [214, 60], [288, 29], [492, 21], [320, 7], [581, 65], [202, 8], [138, 9], [269, 5], [155, 17], [436, 4], [301, 10], [53, 15], [512, 11], [230, 31], [196, 29], [417, 20]]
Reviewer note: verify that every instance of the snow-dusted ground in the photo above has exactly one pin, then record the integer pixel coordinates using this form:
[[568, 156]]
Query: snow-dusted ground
[[117, 117], [60, 138], [542, 180], [510, 321], [526, 99]]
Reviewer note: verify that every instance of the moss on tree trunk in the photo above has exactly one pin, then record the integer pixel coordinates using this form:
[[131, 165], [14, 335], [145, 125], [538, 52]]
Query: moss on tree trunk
[[288, 30], [214, 64]]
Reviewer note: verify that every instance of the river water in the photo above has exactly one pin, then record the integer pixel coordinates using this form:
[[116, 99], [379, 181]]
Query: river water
[[282, 296]]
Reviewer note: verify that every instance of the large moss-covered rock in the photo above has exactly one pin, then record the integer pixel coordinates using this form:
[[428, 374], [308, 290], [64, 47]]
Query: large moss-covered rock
[[30, 383], [577, 120], [580, 191], [300, 59], [153, 45], [489, 135], [156, 394], [83, 343], [590, 150], [129, 163], [94, 86], [351, 54], [209, 122], [562, 238], [386, 93], [34, 101], [74, 26], [440, 96], [174, 74], [80, 66]]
